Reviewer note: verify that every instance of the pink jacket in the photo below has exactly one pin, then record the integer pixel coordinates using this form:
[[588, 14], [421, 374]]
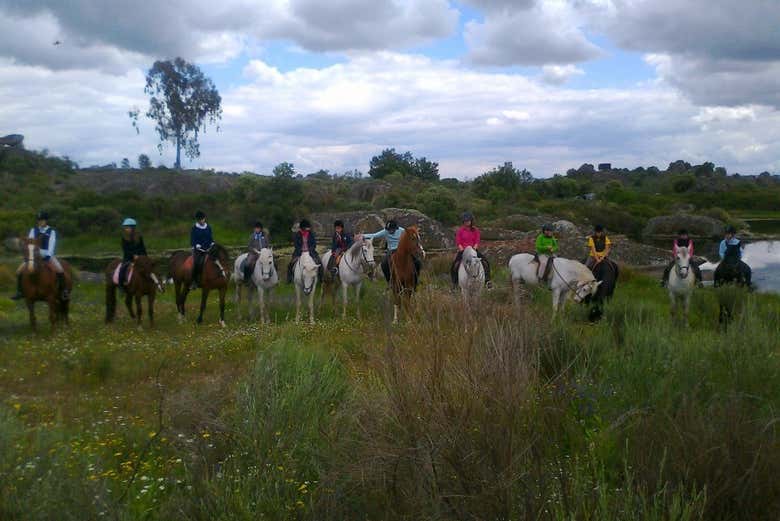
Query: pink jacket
[[467, 237]]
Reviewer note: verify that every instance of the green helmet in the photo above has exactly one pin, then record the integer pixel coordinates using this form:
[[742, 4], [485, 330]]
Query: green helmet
[[129, 222]]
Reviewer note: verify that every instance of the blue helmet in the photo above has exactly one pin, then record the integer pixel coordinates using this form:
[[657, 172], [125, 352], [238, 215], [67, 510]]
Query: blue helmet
[[129, 221]]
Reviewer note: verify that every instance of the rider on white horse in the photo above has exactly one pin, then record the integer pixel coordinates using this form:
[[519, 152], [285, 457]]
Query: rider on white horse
[[257, 241], [304, 240], [546, 244], [340, 243], [682, 241], [468, 235]]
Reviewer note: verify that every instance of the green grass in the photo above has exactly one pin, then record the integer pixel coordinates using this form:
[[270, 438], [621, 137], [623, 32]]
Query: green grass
[[637, 417]]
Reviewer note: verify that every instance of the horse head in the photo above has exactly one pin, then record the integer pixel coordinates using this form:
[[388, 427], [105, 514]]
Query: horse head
[[411, 242], [309, 272], [31, 252], [220, 256], [144, 268], [682, 261], [471, 262], [586, 289], [265, 262]]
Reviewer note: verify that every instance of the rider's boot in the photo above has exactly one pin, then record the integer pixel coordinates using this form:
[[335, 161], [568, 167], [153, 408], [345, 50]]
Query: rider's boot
[[290, 273], [247, 273], [488, 280], [61, 289], [18, 295]]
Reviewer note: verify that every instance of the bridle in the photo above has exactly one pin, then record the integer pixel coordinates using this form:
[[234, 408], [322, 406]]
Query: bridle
[[682, 271], [365, 263], [466, 263], [573, 288], [306, 289], [31, 260]]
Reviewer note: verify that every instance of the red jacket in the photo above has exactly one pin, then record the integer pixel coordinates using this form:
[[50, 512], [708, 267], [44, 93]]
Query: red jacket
[[467, 236]]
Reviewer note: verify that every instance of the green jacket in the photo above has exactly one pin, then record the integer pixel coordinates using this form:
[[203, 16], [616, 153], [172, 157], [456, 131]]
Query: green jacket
[[546, 245]]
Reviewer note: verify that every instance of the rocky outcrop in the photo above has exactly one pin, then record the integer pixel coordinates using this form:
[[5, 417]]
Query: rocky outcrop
[[12, 140], [433, 233], [697, 225]]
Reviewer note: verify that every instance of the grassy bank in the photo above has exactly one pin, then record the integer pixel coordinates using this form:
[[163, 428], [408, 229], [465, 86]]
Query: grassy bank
[[508, 416]]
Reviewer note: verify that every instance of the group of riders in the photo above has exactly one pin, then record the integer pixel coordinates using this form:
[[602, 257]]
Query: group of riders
[[305, 241]]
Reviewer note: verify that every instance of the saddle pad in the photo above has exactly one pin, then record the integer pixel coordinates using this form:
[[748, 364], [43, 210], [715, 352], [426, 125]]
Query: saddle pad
[[128, 277]]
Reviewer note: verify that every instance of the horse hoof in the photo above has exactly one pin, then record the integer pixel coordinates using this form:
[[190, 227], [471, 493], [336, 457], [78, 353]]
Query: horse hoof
[[139, 328], [222, 323]]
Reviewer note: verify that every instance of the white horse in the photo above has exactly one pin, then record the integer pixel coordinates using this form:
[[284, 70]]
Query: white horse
[[682, 282], [264, 278], [356, 261], [305, 278], [471, 276], [565, 276]]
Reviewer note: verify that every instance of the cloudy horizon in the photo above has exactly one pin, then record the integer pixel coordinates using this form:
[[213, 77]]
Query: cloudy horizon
[[548, 85]]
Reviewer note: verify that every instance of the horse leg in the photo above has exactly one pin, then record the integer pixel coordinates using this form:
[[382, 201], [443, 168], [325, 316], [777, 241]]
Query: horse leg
[[297, 303], [344, 297], [110, 302], [129, 303], [261, 303], [31, 310], [52, 311], [556, 297], [222, 295], [237, 300], [185, 290], [204, 295], [151, 309], [686, 307], [311, 308], [139, 311], [357, 298]]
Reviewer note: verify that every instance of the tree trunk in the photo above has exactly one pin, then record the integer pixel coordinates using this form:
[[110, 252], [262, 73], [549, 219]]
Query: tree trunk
[[178, 152]]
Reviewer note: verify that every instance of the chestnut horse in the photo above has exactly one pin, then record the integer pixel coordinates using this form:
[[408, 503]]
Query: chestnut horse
[[213, 276], [143, 281], [403, 275], [39, 283]]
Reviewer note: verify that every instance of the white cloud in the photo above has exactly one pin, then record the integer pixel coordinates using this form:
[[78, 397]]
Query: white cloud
[[560, 74]]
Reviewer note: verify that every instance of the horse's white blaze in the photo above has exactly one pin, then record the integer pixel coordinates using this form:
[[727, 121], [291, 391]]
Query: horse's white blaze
[[30, 261], [471, 275], [565, 276], [305, 280], [265, 279], [681, 282]]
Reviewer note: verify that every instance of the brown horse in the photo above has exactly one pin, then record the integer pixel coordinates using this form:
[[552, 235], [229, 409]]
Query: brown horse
[[213, 276], [39, 283], [143, 281], [403, 274]]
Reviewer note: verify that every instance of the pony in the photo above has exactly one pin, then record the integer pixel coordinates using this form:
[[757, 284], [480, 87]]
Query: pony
[[39, 283], [305, 274], [213, 276], [682, 282], [607, 273], [356, 261], [403, 275], [471, 275], [566, 276], [143, 281], [730, 271], [264, 278]]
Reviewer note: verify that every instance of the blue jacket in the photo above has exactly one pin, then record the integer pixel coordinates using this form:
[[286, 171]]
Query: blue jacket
[[298, 244], [391, 238], [201, 238], [341, 242], [48, 239], [731, 242]]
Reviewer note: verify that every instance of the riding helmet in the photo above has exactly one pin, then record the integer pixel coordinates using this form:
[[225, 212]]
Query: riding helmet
[[338, 222], [467, 216], [304, 224], [258, 224], [42, 216], [547, 227], [199, 215], [598, 228], [730, 229], [129, 222], [391, 226]]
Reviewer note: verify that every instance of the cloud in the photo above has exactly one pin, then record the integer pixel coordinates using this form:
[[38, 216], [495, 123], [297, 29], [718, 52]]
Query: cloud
[[559, 74], [538, 34], [337, 117]]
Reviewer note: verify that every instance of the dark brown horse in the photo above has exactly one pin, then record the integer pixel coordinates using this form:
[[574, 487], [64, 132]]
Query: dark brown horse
[[143, 281], [403, 273], [212, 276], [39, 283]]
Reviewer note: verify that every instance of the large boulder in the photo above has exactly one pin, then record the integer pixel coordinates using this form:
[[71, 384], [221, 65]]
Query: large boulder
[[12, 140], [697, 225], [433, 233]]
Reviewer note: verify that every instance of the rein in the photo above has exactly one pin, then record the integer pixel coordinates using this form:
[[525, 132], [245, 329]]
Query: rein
[[568, 284]]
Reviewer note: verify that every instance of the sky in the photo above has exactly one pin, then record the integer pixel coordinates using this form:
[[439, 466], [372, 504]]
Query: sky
[[546, 84]]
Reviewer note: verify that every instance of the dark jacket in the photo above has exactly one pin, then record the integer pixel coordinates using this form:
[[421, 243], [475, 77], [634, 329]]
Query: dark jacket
[[201, 236], [132, 246], [257, 241], [341, 242], [298, 244]]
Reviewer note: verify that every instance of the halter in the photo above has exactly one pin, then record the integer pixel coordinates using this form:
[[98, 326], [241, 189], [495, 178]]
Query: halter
[[682, 269], [468, 272], [364, 262], [306, 290], [568, 284]]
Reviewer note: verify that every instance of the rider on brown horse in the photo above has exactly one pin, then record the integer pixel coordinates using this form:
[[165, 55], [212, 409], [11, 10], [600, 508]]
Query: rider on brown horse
[[132, 247], [392, 234], [48, 240], [201, 241], [340, 243], [257, 241]]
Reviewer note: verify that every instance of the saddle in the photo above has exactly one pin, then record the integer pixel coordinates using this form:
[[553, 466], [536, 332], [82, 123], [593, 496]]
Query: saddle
[[128, 274]]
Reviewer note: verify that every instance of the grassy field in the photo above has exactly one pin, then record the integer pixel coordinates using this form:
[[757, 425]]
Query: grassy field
[[502, 416]]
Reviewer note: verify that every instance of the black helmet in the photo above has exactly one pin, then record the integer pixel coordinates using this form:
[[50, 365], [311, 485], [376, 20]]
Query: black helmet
[[338, 222], [547, 227], [391, 225], [598, 228], [42, 216], [467, 216], [258, 224], [730, 229], [199, 215], [304, 224], [682, 231]]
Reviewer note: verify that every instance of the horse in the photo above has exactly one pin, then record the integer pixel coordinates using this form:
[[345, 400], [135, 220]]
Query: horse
[[213, 276], [471, 275], [682, 282], [142, 281], [565, 276], [264, 278], [356, 261], [39, 283], [606, 272], [403, 275], [730, 271], [305, 274]]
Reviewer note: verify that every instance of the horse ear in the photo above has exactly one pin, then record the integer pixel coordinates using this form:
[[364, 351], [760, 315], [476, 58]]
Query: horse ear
[[690, 249]]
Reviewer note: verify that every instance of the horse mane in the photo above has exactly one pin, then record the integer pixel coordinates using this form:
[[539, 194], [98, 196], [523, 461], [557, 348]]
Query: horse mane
[[219, 251], [355, 249]]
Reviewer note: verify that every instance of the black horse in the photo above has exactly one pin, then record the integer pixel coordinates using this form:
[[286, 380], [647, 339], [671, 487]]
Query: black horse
[[731, 270], [607, 273]]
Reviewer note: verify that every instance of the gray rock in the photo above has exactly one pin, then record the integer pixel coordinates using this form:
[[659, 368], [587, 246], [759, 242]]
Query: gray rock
[[12, 140], [697, 225], [566, 227]]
